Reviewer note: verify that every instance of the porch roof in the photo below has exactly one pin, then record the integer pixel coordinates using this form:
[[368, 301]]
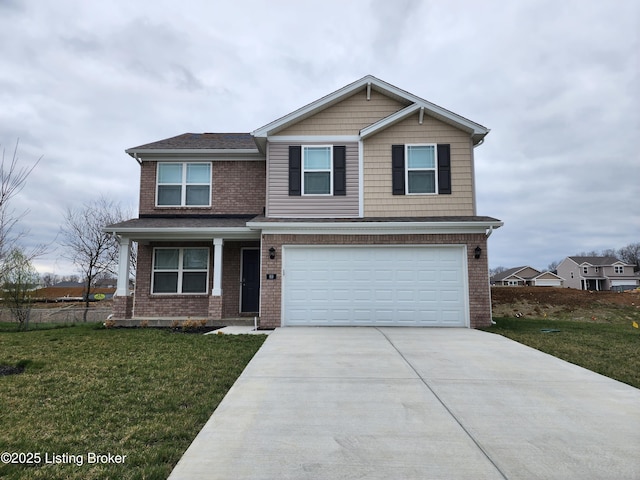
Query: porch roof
[[377, 225], [194, 227]]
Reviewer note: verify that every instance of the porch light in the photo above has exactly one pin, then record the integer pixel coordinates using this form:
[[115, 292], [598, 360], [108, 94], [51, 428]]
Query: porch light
[[272, 253], [477, 252]]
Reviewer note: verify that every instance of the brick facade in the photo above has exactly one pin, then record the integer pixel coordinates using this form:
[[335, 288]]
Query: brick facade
[[238, 188], [478, 272], [123, 307], [148, 305]]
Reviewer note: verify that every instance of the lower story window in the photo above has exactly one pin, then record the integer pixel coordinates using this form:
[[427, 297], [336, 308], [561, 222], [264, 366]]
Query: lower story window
[[180, 270]]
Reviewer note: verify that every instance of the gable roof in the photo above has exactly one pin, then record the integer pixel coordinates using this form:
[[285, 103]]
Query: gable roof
[[548, 274], [199, 143], [498, 277], [596, 261], [414, 104]]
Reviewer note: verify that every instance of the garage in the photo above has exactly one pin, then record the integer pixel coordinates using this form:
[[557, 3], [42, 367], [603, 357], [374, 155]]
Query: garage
[[382, 285]]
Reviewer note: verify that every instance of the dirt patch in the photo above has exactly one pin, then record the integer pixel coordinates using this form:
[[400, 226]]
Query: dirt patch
[[564, 303]]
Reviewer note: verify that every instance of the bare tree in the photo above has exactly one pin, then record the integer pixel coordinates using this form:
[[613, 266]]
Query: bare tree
[[631, 255], [495, 271], [553, 266], [49, 279], [13, 177], [19, 281], [92, 250]]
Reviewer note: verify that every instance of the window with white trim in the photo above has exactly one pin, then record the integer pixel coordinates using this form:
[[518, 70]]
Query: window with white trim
[[618, 269], [585, 270], [180, 270], [421, 168], [317, 170], [183, 184]]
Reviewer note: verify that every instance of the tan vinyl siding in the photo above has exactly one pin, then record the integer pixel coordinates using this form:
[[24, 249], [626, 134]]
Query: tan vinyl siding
[[280, 204], [347, 117], [527, 273], [378, 198], [547, 276]]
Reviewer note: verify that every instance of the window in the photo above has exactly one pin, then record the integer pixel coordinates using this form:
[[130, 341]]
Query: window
[[184, 184], [585, 270], [317, 169], [421, 169], [180, 270], [618, 269]]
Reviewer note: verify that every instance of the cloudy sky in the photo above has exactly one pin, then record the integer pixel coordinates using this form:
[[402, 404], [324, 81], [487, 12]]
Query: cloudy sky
[[557, 82]]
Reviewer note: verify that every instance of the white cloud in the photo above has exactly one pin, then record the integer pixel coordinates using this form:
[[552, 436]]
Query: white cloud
[[557, 83]]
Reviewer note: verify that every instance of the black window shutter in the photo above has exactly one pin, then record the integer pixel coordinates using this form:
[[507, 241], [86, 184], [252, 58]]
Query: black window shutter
[[339, 170], [397, 169], [295, 170], [444, 169]]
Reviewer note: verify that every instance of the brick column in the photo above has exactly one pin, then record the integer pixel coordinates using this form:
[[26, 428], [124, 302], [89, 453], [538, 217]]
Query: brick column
[[123, 307]]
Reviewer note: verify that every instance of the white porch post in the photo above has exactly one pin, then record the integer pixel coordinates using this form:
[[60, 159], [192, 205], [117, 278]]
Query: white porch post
[[123, 267], [217, 267]]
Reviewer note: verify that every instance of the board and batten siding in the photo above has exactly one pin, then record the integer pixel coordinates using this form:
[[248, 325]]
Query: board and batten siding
[[378, 198], [281, 204], [347, 117]]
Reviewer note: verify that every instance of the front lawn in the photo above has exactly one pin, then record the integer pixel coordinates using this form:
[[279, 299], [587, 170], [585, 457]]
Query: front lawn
[[611, 349], [139, 393]]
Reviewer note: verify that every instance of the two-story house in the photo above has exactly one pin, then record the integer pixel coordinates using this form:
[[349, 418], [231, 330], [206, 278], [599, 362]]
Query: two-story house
[[597, 273], [357, 209]]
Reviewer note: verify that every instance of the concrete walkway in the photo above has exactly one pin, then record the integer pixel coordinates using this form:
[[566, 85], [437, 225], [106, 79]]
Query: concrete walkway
[[406, 403]]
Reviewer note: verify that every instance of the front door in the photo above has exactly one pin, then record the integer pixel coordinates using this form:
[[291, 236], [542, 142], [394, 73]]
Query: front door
[[250, 280]]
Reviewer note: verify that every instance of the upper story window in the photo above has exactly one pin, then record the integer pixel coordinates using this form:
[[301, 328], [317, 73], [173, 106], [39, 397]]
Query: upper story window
[[180, 270], [317, 170], [421, 169], [585, 270], [184, 184], [618, 269]]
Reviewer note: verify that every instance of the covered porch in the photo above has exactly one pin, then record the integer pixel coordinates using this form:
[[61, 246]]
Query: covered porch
[[204, 269]]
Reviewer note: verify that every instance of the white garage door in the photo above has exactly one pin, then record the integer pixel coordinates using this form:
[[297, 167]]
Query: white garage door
[[379, 285]]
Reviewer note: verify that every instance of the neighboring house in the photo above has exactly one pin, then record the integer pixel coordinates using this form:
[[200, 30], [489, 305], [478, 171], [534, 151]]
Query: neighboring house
[[357, 209], [526, 276], [597, 273]]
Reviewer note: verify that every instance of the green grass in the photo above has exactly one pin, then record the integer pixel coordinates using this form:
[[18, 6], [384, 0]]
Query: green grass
[[611, 349], [143, 393]]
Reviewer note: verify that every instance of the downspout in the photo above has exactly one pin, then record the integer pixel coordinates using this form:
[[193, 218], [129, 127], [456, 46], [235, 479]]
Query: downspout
[[488, 233]]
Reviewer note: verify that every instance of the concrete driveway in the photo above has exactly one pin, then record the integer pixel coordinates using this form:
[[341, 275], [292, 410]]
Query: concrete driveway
[[415, 403]]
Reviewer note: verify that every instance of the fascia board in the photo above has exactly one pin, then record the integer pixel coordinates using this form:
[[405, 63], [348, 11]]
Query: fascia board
[[161, 234], [385, 88], [312, 107], [373, 228], [478, 131], [194, 151], [313, 138], [548, 273], [388, 121]]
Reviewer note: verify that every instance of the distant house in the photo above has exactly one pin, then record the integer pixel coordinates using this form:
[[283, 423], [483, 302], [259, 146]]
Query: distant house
[[597, 273], [526, 276]]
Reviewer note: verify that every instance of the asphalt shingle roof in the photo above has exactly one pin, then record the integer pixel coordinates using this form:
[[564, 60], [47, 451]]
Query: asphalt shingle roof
[[596, 261], [202, 141]]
